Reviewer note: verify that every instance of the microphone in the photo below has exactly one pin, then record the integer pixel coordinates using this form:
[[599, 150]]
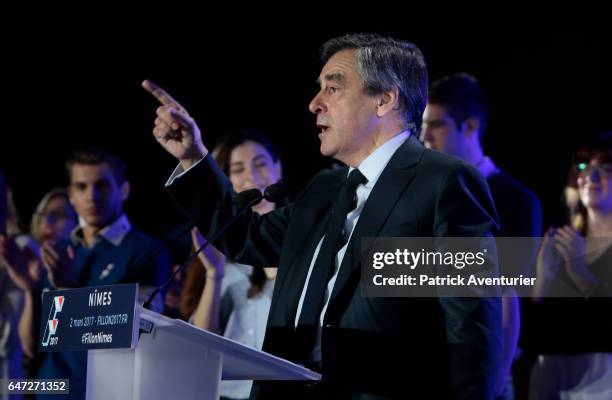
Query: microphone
[[276, 193], [248, 196], [245, 200], [278, 190]]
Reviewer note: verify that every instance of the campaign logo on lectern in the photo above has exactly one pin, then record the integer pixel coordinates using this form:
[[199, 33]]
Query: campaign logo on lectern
[[53, 322]]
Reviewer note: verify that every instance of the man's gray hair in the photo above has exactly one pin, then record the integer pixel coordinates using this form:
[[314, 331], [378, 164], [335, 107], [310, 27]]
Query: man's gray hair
[[384, 63]]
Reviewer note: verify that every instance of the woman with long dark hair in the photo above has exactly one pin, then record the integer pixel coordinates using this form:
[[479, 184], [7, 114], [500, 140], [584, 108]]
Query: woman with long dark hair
[[226, 297], [575, 266]]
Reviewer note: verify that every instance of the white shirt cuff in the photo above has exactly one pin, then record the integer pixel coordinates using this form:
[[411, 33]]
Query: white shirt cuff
[[178, 172]]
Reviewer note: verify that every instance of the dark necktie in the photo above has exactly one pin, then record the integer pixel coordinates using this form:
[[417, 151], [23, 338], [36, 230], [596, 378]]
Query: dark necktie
[[335, 238]]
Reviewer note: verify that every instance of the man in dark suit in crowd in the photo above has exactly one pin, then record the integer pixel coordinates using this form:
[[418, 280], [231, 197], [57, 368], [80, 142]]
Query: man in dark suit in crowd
[[373, 91], [454, 122], [103, 250]]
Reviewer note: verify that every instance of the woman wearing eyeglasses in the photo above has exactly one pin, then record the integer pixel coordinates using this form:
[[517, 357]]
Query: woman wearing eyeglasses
[[574, 286]]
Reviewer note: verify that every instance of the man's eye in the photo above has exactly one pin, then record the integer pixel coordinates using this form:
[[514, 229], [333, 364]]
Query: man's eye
[[236, 170], [332, 89], [434, 124]]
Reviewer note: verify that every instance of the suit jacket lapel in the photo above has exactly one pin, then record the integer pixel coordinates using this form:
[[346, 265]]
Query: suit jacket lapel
[[305, 237], [393, 181]]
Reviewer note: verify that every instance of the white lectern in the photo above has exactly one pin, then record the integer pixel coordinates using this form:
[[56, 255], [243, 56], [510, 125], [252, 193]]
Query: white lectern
[[176, 360]]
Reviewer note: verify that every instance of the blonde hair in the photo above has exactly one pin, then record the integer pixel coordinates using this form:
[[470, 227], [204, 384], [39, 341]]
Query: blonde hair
[[40, 209]]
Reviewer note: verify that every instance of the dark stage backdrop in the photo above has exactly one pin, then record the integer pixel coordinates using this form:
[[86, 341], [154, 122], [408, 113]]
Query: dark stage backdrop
[[66, 88]]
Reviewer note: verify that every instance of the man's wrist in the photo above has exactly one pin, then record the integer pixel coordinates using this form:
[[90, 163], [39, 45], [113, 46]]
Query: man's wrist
[[192, 157]]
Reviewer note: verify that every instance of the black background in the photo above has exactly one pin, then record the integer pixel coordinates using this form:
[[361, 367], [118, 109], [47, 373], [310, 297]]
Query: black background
[[73, 82]]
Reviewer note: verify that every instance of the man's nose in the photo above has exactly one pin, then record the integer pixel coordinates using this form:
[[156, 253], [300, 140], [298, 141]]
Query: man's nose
[[316, 106], [94, 194]]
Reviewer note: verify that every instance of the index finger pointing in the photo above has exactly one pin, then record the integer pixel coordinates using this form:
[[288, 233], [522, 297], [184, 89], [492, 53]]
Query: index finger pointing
[[160, 94]]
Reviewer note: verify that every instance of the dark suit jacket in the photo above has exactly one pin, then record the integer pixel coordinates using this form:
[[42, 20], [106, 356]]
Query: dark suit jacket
[[398, 347], [518, 208]]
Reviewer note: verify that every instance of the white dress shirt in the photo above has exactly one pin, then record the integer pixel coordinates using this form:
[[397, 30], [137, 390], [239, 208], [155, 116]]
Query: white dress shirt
[[371, 167]]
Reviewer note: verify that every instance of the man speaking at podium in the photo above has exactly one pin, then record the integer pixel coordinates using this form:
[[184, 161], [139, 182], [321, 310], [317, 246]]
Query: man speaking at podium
[[373, 91]]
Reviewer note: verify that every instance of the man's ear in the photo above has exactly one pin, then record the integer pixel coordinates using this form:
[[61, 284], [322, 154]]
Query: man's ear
[[387, 102], [125, 190], [471, 126]]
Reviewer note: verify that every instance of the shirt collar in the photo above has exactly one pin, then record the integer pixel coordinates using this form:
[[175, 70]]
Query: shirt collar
[[373, 165], [113, 233]]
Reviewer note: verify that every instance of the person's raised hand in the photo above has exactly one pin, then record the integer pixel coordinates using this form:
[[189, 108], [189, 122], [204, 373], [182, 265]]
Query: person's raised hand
[[174, 128]]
